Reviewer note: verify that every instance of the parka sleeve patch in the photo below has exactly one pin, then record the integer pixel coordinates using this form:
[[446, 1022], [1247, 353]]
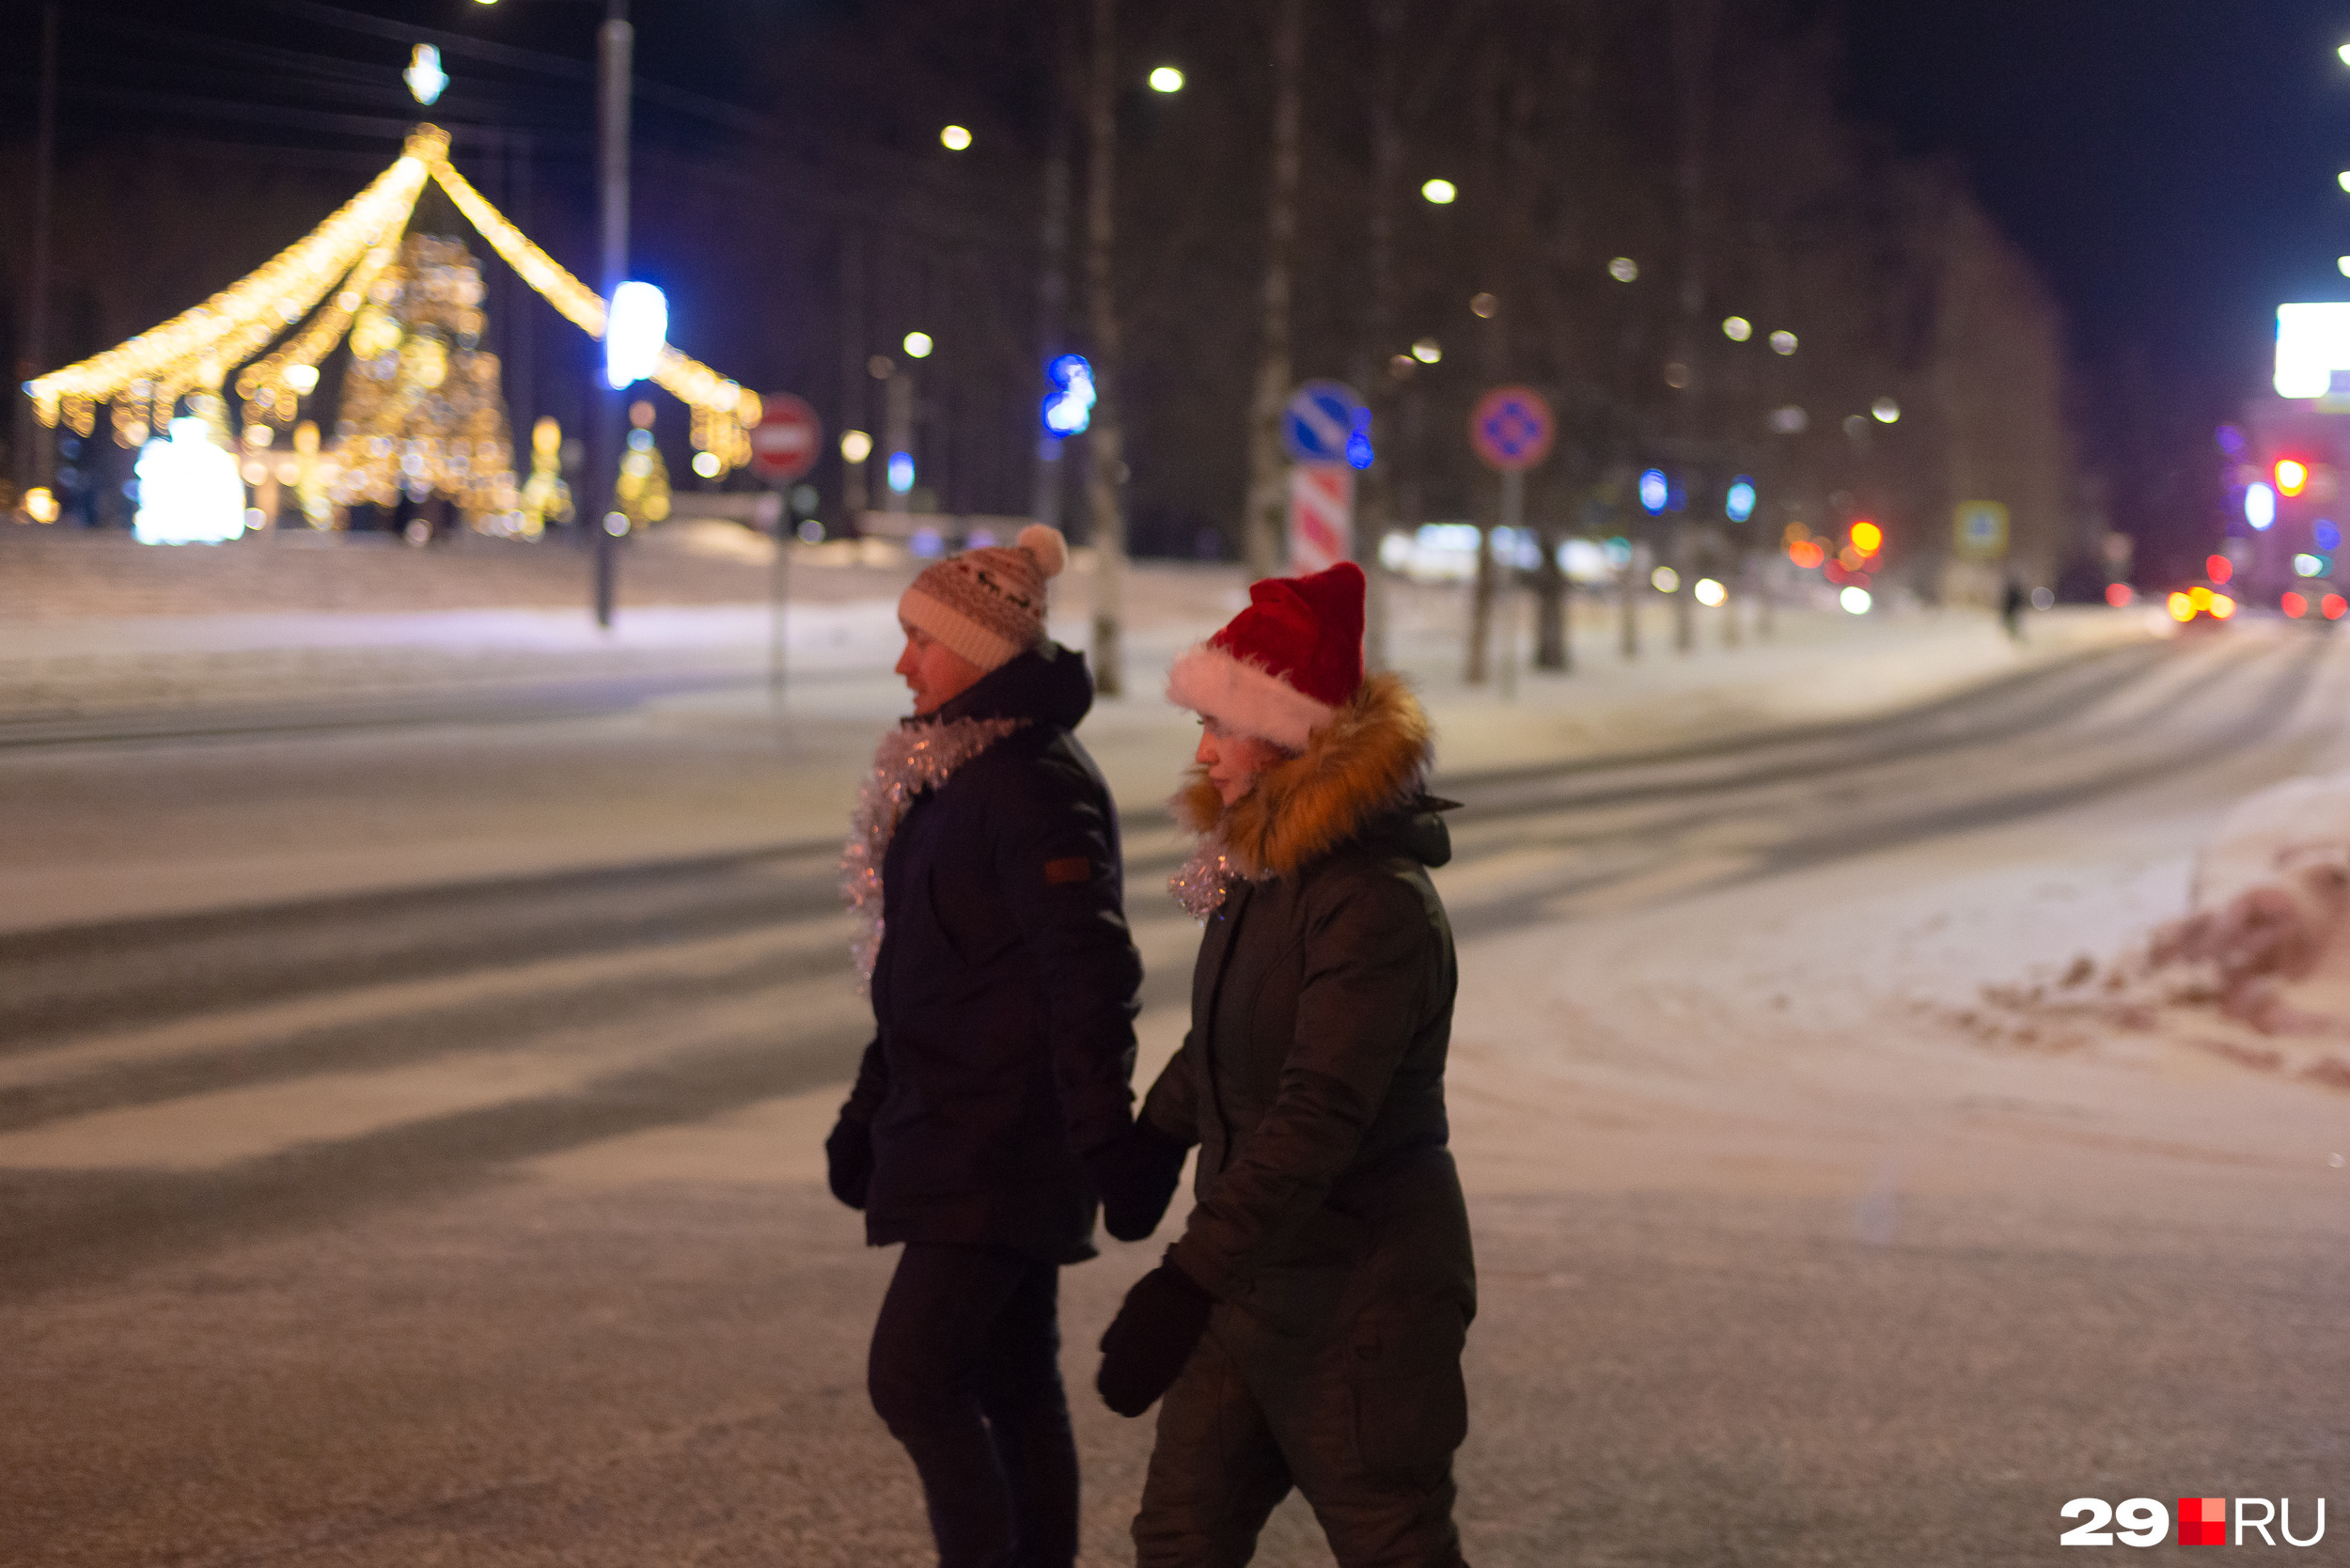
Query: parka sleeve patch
[[1071, 868]]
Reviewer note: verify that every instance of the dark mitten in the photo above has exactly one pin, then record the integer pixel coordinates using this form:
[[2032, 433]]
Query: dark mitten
[[1153, 1335], [849, 1161], [1136, 1176]]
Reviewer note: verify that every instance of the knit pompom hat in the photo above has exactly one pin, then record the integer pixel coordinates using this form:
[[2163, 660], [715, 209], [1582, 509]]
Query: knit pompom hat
[[1280, 669], [988, 605]]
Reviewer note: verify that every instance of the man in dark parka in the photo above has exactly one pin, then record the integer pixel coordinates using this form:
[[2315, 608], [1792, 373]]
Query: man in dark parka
[[1311, 1316], [994, 1097]]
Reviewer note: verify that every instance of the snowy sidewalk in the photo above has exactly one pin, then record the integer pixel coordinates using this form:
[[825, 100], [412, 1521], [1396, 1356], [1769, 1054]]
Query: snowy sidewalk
[[840, 640], [667, 746]]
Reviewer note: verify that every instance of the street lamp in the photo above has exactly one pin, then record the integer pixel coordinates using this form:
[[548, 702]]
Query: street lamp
[[954, 138], [1439, 193], [639, 326], [1166, 78], [918, 345], [424, 75]]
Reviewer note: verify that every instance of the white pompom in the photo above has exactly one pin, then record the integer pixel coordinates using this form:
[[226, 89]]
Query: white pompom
[[1046, 545]]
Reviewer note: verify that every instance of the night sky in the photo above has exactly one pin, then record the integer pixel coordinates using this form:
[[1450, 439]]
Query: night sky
[[2171, 167], [2169, 164]]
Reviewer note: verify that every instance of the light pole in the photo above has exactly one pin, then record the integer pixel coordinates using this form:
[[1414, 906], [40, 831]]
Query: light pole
[[32, 447], [615, 44]]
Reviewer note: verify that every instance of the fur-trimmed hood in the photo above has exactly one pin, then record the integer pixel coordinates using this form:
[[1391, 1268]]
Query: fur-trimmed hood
[[1370, 762]]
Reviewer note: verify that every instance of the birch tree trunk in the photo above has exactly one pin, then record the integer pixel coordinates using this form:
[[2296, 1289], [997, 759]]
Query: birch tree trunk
[[1268, 477], [1106, 474], [1375, 511]]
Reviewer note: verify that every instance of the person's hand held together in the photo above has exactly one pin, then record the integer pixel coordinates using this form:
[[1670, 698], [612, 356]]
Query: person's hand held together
[[1136, 1176]]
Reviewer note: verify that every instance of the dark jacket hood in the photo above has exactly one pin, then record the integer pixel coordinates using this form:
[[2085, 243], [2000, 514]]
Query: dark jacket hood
[[1416, 830], [1048, 684]]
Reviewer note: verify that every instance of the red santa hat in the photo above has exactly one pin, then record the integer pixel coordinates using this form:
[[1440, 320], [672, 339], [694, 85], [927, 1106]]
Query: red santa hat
[[1281, 668]]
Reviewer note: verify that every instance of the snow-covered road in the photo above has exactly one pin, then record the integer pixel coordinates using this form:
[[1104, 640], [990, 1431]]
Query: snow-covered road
[[480, 1218]]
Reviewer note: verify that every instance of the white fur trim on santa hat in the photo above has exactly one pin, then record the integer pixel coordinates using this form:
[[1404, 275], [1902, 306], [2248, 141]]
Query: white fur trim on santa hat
[[1244, 698]]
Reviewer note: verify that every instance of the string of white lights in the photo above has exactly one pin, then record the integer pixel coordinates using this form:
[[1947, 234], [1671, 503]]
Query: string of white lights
[[723, 410], [146, 377], [198, 347], [273, 387]]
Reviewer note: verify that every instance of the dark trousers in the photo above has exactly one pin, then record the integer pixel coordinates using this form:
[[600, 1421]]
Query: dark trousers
[[1362, 1421], [966, 1371]]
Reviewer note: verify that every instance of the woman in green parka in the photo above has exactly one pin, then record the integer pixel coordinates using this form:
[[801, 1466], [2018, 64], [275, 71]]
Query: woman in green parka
[[1306, 1327]]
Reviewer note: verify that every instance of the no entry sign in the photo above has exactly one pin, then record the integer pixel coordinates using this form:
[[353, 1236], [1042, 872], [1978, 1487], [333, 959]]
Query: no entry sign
[[784, 443], [1511, 427]]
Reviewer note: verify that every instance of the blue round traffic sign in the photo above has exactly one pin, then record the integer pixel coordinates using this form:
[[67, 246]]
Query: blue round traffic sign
[[1321, 416], [1511, 427]]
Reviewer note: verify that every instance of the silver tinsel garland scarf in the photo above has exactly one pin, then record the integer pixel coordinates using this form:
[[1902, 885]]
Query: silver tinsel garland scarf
[[1199, 885], [910, 761]]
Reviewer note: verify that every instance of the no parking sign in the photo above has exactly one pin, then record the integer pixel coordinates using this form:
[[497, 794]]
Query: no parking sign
[[1511, 427]]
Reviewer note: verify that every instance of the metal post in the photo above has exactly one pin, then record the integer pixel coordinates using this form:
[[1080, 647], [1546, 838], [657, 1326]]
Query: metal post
[[521, 360], [855, 371], [778, 594], [1506, 577], [1628, 601], [1566, 604], [615, 44], [32, 449], [897, 434]]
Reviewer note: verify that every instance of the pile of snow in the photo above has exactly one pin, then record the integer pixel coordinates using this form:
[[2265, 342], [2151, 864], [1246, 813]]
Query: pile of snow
[[2270, 910], [2257, 971]]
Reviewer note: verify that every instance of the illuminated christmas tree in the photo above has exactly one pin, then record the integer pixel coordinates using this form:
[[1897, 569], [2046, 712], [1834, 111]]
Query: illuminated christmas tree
[[545, 498], [421, 412], [642, 493], [421, 415]]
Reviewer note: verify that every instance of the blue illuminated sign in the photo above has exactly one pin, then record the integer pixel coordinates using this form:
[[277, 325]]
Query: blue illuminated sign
[[1069, 408], [1739, 503]]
